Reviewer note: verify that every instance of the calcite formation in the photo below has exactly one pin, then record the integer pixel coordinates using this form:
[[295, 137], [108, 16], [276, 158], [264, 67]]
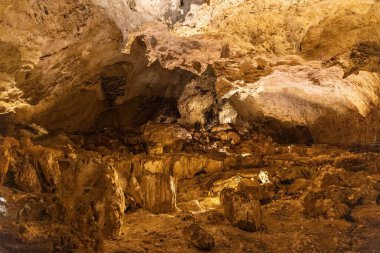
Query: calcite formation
[[189, 125]]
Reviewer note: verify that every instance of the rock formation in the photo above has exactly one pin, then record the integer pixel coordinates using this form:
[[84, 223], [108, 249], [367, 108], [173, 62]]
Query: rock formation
[[189, 125]]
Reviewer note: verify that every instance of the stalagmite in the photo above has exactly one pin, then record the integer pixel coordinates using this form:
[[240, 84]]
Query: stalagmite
[[189, 126]]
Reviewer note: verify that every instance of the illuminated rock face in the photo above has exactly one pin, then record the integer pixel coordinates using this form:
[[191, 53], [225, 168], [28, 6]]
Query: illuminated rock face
[[330, 105], [75, 66], [176, 125]]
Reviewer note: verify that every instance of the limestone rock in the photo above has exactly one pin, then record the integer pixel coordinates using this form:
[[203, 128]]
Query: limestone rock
[[227, 114], [96, 203], [287, 111], [114, 205], [298, 186], [187, 166], [199, 237], [159, 193], [53, 43], [335, 192], [25, 177], [227, 136], [256, 191], [30, 212], [197, 104], [366, 237], [351, 163], [152, 185], [4, 160], [161, 137], [320, 204], [120, 103], [243, 212], [50, 167], [289, 174], [293, 84]]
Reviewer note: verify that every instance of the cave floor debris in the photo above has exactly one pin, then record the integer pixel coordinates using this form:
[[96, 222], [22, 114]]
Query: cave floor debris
[[181, 192]]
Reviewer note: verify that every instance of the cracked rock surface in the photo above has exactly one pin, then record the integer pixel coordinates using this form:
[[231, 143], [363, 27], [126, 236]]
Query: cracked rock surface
[[189, 125]]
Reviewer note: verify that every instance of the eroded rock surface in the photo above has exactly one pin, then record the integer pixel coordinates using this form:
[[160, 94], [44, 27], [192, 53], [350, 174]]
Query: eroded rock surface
[[188, 125], [75, 182], [242, 211]]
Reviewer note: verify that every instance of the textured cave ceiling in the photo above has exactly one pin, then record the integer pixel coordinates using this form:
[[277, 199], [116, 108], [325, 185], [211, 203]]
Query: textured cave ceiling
[[64, 65], [134, 126]]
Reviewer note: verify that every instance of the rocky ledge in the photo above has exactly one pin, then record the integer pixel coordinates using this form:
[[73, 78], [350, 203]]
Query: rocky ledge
[[189, 125]]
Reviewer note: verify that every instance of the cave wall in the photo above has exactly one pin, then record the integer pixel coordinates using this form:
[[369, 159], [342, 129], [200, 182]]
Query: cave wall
[[69, 65]]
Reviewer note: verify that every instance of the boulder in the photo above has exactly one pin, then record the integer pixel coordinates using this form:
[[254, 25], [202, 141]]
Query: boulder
[[197, 103], [50, 168], [113, 208], [151, 184], [256, 191], [318, 204], [25, 177], [242, 211], [200, 238], [94, 198], [366, 186], [334, 192], [164, 138]]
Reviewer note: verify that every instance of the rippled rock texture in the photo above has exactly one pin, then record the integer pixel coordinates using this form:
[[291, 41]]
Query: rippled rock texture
[[188, 125], [308, 69]]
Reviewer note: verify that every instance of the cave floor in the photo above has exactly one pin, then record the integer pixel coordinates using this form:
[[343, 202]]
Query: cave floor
[[99, 194], [286, 229]]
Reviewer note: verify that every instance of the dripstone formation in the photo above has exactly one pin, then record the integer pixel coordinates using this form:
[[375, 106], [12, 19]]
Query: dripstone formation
[[189, 126]]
